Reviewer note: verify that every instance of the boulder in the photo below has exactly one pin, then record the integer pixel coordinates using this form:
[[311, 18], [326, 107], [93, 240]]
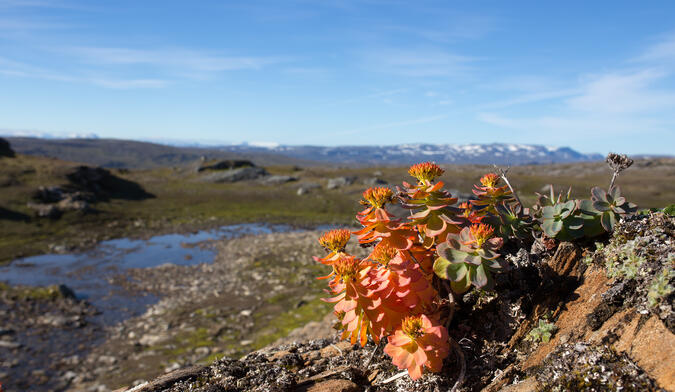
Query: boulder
[[45, 210], [226, 165], [372, 181], [307, 188], [278, 180], [338, 182], [236, 175]]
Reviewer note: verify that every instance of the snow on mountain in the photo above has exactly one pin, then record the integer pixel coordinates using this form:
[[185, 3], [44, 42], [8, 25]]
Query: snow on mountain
[[46, 135], [497, 153]]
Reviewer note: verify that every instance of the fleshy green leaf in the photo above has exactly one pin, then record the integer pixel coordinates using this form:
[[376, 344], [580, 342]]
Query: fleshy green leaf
[[607, 219], [480, 278], [599, 194]]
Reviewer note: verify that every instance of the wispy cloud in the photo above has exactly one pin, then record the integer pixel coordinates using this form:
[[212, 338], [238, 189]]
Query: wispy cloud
[[377, 94], [603, 106], [425, 62], [151, 68], [624, 93], [184, 59], [638, 97], [662, 51], [23, 70]]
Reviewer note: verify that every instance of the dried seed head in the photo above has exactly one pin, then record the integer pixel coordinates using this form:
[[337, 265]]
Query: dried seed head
[[617, 162]]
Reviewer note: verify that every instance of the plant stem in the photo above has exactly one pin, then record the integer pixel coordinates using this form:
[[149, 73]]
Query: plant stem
[[502, 174]]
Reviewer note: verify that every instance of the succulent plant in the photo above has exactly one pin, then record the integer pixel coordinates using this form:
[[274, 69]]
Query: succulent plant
[[434, 216], [468, 258], [606, 208], [549, 200], [514, 221], [561, 221], [489, 194]]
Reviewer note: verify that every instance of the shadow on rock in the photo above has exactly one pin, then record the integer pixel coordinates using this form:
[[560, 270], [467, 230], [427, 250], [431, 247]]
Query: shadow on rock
[[105, 185], [6, 214]]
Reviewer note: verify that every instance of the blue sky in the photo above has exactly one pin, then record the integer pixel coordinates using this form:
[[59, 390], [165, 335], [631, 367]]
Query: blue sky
[[597, 76]]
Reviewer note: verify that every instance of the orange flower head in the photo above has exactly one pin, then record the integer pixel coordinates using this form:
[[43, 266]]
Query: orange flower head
[[466, 207], [383, 253], [335, 240], [347, 268], [489, 180], [426, 171], [482, 232], [377, 196], [412, 326]]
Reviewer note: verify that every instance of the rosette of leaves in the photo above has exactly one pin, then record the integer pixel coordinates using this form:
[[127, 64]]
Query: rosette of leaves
[[514, 221], [604, 210], [469, 258], [489, 195], [434, 215], [549, 200], [561, 221]]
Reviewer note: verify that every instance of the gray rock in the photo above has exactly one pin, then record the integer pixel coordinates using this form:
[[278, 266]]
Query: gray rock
[[226, 164], [55, 320], [235, 175], [373, 181], [278, 180], [9, 345], [45, 210], [307, 188], [338, 182]]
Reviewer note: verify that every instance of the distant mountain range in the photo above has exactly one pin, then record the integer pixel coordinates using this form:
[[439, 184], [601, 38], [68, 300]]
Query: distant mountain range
[[404, 154], [136, 154]]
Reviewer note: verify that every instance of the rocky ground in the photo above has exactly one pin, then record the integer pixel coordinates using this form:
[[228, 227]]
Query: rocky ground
[[45, 334], [604, 331], [257, 290], [607, 308]]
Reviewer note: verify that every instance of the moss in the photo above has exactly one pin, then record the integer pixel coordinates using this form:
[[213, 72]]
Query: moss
[[542, 332], [284, 323], [660, 287], [47, 293]]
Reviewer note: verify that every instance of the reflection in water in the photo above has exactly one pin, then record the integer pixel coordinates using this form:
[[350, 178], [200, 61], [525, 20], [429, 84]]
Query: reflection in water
[[88, 273]]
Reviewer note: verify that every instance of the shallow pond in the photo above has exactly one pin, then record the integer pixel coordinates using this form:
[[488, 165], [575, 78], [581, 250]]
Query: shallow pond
[[89, 273]]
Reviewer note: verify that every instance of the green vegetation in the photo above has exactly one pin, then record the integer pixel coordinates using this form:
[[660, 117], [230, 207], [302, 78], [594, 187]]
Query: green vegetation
[[661, 287], [184, 203], [622, 261], [31, 293], [543, 332]]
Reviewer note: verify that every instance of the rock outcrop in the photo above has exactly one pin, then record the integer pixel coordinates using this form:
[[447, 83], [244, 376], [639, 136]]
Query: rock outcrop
[[236, 175], [86, 185], [226, 165]]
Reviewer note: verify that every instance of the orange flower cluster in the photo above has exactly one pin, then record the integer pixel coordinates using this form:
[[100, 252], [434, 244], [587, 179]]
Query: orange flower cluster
[[481, 233], [393, 293], [490, 195], [426, 172], [377, 197]]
